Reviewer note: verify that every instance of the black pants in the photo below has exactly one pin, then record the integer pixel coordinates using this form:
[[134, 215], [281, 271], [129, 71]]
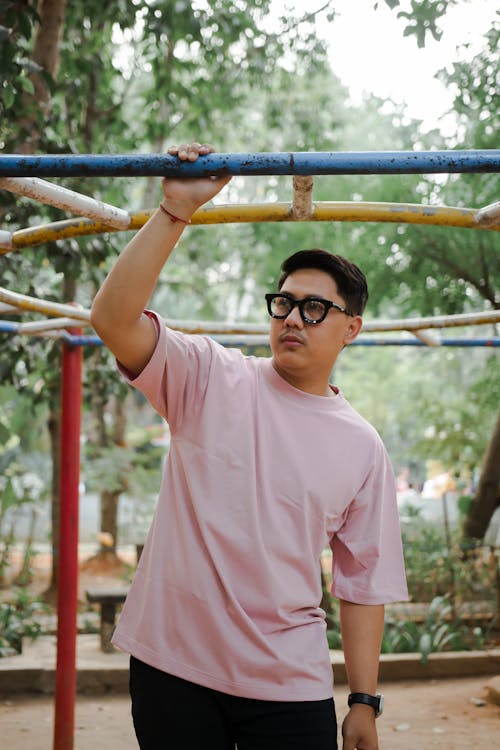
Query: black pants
[[172, 714]]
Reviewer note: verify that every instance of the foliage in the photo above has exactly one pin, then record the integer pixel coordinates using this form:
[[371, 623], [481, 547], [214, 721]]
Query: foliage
[[125, 77], [134, 76], [17, 20], [24, 470], [128, 469], [19, 618], [427, 562], [458, 429], [398, 390], [434, 570], [421, 17], [436, 634]]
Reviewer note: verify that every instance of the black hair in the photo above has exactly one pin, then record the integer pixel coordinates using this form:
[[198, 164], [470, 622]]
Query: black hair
[[350, 280]]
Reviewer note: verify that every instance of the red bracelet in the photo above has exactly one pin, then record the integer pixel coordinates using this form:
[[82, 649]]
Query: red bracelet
[[173, 218]]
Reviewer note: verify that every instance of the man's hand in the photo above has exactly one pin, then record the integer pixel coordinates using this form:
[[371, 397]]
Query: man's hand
[[117, 311], [359, 731], [183, 197]]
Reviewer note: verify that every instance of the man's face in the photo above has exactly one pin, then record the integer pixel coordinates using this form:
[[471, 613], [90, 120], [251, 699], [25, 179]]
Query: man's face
[[304, 353]]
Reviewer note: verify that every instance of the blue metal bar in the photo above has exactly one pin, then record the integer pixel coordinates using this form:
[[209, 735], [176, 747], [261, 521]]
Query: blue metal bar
[[8, 327], [492, 342], [290, 163], [82, 340]]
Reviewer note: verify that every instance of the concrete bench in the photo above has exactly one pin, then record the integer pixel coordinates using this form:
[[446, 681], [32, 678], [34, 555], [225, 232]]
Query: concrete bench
[[108, 600]]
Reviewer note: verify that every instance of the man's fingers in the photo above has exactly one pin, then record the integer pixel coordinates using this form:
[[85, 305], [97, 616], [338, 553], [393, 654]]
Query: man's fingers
[[191, 151]]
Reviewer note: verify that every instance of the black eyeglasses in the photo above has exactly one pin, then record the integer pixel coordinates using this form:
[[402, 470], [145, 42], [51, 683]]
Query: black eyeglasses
[[312, 309]]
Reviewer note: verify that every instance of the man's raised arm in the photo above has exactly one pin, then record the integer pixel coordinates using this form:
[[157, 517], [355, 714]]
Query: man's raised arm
[[117, 311]]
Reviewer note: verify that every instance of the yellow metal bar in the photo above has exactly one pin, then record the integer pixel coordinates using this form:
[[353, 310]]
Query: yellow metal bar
[[32, 304], [404, 213], [63, 230]]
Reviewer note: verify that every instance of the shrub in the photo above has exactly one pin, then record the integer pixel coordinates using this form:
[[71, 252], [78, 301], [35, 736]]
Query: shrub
[[18, 620]]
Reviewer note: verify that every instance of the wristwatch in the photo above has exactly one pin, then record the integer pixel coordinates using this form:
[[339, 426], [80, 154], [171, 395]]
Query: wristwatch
[[375, 701]]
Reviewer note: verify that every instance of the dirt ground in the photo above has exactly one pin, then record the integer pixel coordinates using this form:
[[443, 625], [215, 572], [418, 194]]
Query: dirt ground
[[419, 714]]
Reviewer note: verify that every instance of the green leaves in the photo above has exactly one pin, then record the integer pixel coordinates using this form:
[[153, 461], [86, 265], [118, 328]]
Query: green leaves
[[422, 17], [19, 618]]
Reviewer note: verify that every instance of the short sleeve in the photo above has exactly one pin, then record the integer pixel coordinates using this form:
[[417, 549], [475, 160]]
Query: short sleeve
[[367, 563], [176, 376]]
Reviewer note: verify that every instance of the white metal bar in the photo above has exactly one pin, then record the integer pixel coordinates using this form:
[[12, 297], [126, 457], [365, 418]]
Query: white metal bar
[[438, 321], [489, 215], [69, 200], [410, 324], [302, 206], [426, 338], [6, 240], [7, 309], [55, 309], [51, 324]]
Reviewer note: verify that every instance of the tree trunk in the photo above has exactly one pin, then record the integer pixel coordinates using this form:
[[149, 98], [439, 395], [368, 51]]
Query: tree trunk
[[487, 495], [45, 54], [109, 500], [25, 575], [109, 521], [8, 539], [48, 36], [54, 427]]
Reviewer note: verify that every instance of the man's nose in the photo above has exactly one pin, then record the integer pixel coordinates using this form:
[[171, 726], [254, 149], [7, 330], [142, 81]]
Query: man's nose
[[293, 318]]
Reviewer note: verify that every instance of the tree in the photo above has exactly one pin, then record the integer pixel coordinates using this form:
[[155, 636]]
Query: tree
[[118, 77], [422, 17]]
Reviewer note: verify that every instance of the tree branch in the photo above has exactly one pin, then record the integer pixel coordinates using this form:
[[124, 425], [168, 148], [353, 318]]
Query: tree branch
[[458, 271]]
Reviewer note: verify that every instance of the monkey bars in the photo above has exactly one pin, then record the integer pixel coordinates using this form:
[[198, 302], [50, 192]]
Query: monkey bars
[[17, 175], [21, 174]]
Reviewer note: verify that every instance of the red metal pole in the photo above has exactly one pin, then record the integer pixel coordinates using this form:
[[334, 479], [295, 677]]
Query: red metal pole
[[67, 590]]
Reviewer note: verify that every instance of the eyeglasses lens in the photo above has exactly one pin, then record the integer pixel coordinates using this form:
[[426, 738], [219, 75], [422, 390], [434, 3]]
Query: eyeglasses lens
[[313, 309], [280, 306]]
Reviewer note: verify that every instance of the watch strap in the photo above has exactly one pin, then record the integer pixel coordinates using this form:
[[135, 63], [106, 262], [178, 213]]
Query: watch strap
[[375, 701]]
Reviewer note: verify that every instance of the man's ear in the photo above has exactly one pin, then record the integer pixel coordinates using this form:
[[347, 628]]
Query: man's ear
[[353, 328]]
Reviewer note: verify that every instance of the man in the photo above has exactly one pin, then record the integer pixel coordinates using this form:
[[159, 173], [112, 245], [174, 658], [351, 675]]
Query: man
[[268, 464]]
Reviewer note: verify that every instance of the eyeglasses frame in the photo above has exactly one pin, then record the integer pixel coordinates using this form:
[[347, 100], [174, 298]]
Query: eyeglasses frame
[[300, 304]]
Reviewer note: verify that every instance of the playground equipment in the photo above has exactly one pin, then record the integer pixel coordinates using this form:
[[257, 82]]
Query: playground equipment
[[21, 175], [97, 217]]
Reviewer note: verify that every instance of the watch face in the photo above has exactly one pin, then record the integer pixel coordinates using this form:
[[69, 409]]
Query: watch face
[[380, 704]]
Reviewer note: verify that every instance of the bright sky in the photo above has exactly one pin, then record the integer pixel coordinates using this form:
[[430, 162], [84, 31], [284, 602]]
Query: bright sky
[[369, 53]]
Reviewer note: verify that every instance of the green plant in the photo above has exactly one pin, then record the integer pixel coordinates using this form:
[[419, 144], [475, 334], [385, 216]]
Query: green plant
[[436, 634], [19, 618], [334, 639], [434, 569]]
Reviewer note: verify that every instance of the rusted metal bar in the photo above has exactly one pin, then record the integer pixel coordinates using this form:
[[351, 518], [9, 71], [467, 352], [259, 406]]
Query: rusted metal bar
[[302, 205], [288, 163]]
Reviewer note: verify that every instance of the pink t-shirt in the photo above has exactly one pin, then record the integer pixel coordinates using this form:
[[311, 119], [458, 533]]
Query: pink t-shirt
[[259, 478]]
